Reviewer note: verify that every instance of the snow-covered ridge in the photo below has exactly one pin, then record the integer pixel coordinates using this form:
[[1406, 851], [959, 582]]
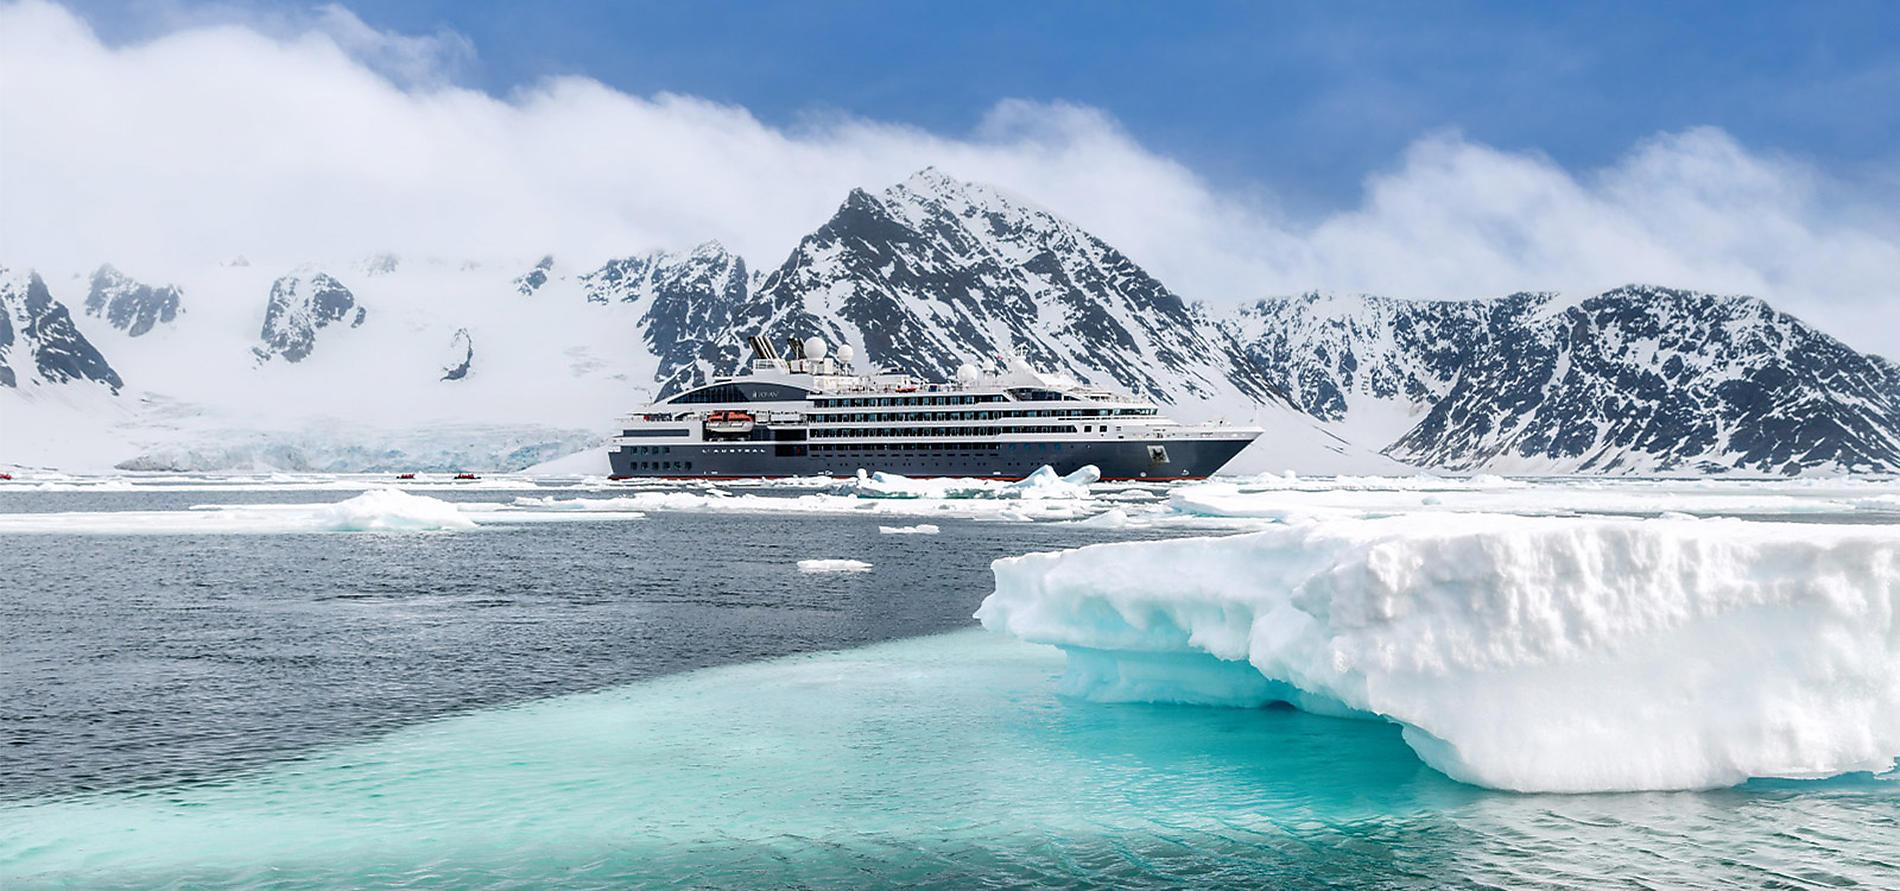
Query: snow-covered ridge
[[301, 304], [130, 306], [922, 277], [40, 344], [1640, 380], [1553, 654]]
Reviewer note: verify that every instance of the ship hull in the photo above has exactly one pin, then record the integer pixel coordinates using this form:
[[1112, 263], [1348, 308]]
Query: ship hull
[[1159, 459]]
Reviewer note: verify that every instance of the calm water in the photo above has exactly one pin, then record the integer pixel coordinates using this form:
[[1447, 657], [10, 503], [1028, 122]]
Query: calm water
[[520, 706]]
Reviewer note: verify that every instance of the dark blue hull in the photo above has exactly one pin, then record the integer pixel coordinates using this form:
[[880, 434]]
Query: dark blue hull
[[1169, 459]]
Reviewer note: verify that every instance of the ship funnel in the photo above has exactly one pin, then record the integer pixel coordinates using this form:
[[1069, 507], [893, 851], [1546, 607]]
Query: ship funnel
[[814, 348], [763, 348]]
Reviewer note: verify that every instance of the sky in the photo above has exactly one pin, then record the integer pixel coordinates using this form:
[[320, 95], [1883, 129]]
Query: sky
[[1237, 150]]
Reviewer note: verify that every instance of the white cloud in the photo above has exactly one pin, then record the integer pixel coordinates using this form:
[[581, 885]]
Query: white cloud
[[338, 140]]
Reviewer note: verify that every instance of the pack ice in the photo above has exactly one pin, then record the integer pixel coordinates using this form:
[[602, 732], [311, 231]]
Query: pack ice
[[1559, 654]]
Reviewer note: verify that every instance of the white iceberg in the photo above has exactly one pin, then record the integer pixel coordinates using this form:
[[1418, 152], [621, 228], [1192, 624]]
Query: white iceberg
[[919, 529], [1532, 654], [833, 566], [377, 510], [387, 510], [1043, 483]]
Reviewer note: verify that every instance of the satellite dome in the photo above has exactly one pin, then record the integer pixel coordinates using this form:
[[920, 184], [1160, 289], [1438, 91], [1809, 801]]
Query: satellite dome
[[814, 348], [968, 374], [846, 353]]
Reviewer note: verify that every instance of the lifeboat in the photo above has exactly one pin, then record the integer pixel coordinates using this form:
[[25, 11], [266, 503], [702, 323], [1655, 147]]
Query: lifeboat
[[466, 476], [730, 422], [405, 476]]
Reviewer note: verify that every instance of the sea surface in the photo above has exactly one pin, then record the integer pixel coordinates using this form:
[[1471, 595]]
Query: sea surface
[[668, 700]]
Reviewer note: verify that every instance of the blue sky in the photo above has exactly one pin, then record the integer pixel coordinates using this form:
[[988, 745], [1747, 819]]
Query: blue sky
[[1304, 98]]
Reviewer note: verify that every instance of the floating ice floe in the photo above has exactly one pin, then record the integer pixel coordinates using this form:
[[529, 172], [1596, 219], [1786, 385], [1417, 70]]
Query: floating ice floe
[[919, 529], [833, 566], [1532, 654], [377, 510], [380, 510], [1043, 483]]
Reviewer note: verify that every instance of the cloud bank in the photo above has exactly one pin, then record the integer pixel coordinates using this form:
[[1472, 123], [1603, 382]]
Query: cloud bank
[[332, 139]]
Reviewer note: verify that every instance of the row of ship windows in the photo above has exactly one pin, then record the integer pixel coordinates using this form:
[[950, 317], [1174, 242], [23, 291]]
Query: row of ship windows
[[875, 401], [849, 433], [663, 465], [941, 447], [876, 416]]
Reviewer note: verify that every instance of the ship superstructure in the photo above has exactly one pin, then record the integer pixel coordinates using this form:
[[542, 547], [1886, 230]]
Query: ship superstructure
[[807, 413]]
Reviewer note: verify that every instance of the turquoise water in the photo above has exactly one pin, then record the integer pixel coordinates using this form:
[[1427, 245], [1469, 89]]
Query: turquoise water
[[945, 760]]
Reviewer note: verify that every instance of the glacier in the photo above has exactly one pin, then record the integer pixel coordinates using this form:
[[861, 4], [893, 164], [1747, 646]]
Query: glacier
[[1533, 654]]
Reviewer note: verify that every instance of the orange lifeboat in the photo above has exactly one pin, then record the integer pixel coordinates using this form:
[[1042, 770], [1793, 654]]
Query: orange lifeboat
[[730, 422]]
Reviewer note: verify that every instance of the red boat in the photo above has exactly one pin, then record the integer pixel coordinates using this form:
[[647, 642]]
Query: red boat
[[405, 476], [466, 476]]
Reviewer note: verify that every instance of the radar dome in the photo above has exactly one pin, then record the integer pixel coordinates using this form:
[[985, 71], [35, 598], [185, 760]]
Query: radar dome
[[846, 353], [968, 374], [814, 348]]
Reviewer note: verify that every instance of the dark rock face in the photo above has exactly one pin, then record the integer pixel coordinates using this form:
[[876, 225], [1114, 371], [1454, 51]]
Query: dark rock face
[[7, 377], [463, 347], [301, 304], [1323, 351], [531, 281], [39, 342], [935, 272], [1636, 380], [690, 301], [1644, 378], [128, 305]]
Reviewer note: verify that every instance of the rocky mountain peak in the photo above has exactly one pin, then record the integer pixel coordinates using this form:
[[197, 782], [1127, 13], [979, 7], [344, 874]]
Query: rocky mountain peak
[[129, 305], [39, 344], [301, 304]]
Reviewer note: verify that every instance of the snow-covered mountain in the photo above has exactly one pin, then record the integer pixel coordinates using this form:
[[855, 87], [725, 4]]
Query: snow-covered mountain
[[1658, 380], [40, 345], [922, 277], [130, 306], [935, 272], [1636, 380], [686, 303], [303, 303]]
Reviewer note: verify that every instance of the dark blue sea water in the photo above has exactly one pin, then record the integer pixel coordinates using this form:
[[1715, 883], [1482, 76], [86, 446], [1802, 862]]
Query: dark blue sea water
[[669, 701]]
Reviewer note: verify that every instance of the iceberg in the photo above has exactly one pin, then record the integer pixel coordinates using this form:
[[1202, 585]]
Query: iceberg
[[1552, 654], [388, 510], [919, 529], [1043, 483], [376, 510], [833, 566]]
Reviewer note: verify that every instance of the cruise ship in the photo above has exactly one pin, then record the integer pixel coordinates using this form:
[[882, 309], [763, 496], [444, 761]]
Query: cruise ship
[[807, 413]]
